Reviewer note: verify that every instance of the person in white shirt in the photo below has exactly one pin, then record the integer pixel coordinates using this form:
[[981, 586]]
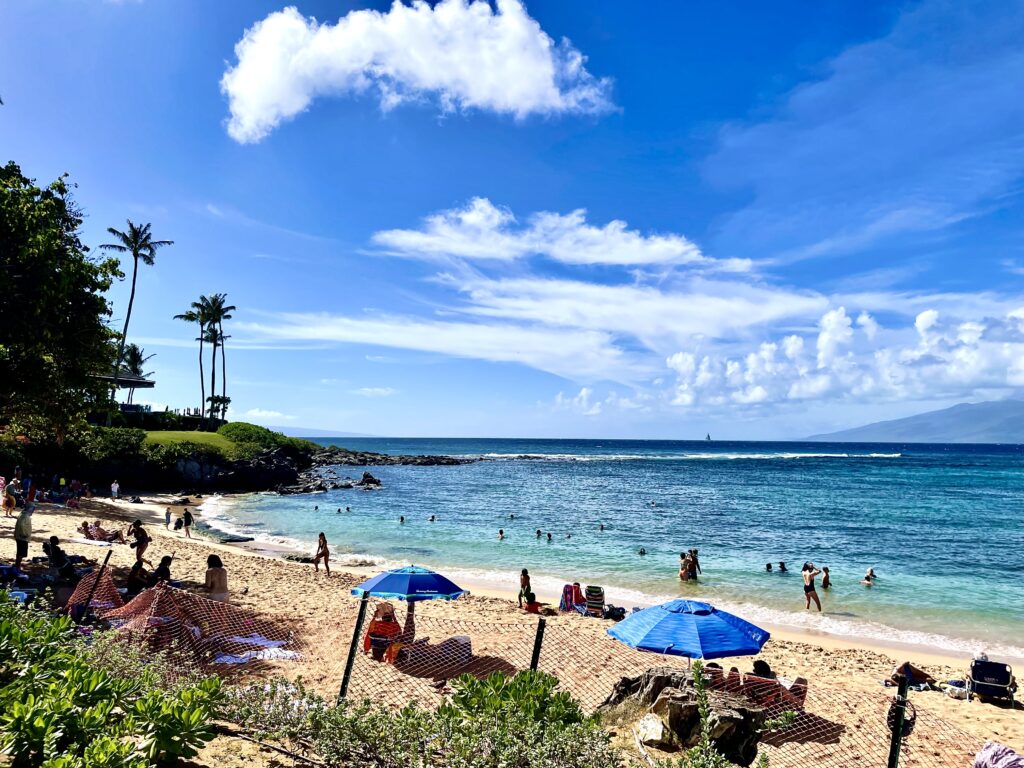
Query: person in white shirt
[[114, 489]]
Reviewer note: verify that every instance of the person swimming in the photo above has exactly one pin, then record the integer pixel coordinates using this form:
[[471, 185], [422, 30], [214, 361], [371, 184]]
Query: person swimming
[[501, 534], [401, 520], [809, 572], [642, 552], [432, 519], [539, 533], [511, 517], [316, 507], [601, 528], [549, 537], [869, 578], [782, 567], [768, 567]]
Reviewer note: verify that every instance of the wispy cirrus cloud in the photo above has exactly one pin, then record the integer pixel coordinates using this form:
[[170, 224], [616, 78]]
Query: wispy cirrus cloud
[[375, 391], [464, 55], [480, 230], [888, 142]]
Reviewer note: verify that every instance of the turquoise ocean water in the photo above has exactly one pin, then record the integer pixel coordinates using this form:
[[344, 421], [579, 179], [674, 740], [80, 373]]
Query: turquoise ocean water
[[942, 525]]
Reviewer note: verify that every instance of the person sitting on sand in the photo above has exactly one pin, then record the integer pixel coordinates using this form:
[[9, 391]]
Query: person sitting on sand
[[137, 580], [382, 630], [99, 533], [85, 531], [60, 564], [162, 572], [524, 586], [216, 579], [763, 670], [322, 553], [532, 606], [914, 675], [809, 572], [826, 580]]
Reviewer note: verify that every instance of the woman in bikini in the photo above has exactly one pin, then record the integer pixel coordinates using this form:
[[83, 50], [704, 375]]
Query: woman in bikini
[[809, 572], [322, 553]]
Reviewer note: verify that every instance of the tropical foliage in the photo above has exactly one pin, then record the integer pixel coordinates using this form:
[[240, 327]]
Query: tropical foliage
[[54, 340], [210, 312], [518, 722], [63, 707]]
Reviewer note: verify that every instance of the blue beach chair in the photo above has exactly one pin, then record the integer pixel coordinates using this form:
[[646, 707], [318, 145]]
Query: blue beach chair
[[991, 679]]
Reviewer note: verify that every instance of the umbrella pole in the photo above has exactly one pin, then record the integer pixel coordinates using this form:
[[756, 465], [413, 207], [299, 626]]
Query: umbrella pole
[[353, 648]]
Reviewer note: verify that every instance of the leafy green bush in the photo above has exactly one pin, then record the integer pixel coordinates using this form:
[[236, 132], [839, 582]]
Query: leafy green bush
[[529, 695], [500, 722], [114, 443], [59, 708], [250, 439]]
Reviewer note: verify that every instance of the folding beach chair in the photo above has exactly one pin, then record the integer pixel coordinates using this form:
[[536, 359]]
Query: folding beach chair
[[991, 679], [595, 601]]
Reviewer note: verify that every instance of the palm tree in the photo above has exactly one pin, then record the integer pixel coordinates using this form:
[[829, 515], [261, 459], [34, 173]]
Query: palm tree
[[195, 315], [139, 242], [212, 336], [135, 358], [217, 312]]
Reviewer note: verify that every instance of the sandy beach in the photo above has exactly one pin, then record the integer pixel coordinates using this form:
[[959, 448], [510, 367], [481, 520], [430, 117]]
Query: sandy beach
[[839, 670]]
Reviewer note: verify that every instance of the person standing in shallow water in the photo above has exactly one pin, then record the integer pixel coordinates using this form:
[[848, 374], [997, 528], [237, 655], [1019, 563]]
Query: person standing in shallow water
[[809, 572], [826, 579]]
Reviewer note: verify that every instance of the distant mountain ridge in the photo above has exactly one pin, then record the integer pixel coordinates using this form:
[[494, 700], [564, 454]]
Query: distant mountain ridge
[[999, 421]]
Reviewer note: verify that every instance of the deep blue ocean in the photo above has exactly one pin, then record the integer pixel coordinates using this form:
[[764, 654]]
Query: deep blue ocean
[[942, 525]]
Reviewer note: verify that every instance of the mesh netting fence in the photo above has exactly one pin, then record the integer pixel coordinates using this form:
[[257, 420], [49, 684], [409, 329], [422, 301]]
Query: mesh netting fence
[[397, 661]]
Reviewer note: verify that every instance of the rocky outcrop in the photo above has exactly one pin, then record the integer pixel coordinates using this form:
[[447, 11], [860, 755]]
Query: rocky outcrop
[[332, 455], [673, 718]]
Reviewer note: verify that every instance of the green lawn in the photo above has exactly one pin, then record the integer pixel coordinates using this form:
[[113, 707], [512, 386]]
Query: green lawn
[[211, 439]]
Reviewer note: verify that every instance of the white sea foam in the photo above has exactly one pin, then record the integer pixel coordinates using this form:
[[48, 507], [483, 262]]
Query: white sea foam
[[852, 629], [709, 456], [217, 512]]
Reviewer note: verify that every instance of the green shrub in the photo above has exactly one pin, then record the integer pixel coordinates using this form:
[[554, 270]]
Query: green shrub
[[529, 695], [250, 439], [114, 444], [66, 705]]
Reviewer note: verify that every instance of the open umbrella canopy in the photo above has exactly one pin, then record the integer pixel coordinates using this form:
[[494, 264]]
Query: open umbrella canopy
[[690, 628], [410, 584]]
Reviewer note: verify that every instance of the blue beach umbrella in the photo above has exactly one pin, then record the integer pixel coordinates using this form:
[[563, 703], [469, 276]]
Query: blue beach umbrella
[[410, 584], [690, 628]]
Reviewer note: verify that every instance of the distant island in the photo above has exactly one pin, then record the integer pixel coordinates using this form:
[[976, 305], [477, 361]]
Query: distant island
[[1000, 421]]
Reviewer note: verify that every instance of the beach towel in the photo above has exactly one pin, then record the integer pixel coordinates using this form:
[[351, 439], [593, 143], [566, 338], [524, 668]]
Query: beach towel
[[994, 755], [566, 604], [268, 654]]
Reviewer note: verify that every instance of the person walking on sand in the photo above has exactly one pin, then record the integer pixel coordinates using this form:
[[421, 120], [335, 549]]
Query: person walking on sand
[[524, 586], [186, 521], [216, 583], [809, 572], [115, 489], [167, 518], [141, 543], [322, 553], [23, 534]]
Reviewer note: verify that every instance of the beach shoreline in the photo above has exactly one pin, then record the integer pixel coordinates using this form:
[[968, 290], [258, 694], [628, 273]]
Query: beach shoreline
[[323, 610], [152, 511]]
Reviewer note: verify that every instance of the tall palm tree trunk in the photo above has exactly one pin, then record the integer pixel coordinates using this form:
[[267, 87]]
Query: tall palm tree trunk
[[124, 336], [213, 374], [202, 375], [223, 373]]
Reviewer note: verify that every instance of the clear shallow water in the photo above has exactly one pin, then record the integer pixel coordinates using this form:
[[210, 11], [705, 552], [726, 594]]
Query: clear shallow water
[[943, 526]]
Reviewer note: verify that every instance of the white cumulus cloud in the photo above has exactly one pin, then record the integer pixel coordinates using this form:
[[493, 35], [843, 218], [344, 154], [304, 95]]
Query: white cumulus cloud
[[262, 414], [465, 55]]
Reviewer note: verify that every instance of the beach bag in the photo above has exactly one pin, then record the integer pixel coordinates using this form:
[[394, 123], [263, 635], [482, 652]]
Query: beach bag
[[614, 613]]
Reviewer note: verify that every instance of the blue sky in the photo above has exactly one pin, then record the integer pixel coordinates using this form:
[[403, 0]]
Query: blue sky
[[552, 219]]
